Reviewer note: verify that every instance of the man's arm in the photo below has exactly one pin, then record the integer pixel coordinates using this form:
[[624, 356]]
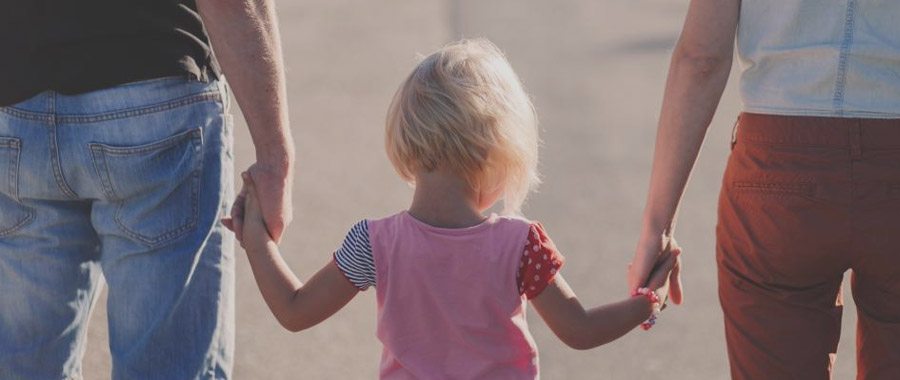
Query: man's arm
[[244, 34]]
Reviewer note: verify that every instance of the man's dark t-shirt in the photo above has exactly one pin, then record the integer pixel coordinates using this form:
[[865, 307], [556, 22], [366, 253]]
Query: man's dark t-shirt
[[76, 46]]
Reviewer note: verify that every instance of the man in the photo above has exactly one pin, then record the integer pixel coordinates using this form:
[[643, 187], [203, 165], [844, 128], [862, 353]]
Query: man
[[115, 159]]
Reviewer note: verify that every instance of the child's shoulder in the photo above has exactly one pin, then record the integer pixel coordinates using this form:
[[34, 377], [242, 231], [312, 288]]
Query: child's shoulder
[[515, 219], [384, 219], [520, 221]]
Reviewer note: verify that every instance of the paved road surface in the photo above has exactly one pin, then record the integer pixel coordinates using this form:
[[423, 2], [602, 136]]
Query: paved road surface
[[596, 70]]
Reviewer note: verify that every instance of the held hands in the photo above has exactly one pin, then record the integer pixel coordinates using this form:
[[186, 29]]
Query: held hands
[[253, 233], [667, 267], [274, 187], [658, 268]]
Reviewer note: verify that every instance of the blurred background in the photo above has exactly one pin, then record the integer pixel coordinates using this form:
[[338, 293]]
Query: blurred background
[[596, 71]]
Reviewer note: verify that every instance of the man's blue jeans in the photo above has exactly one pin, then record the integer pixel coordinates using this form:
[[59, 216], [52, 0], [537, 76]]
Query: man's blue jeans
[[128, 185]]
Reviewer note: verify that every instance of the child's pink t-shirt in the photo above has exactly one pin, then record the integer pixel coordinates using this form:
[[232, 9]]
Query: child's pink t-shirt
[[451, 302]]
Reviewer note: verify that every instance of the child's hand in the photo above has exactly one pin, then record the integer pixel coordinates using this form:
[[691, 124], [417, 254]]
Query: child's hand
[[659, 277], [255, 234]]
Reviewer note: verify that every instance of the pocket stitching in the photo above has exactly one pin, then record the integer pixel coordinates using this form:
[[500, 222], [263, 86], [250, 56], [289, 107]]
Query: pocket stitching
[[28, 218], [170, 234], [103, 172], [165, 143], [99, 151], [775, 188], [13, 176]]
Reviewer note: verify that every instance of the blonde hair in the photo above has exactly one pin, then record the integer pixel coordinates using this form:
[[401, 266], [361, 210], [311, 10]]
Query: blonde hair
[[463, 109]]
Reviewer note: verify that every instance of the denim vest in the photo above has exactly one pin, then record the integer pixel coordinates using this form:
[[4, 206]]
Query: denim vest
[[836, 58]]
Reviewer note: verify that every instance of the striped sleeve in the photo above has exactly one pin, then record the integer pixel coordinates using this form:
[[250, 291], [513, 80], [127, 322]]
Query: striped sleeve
[[354, 258]]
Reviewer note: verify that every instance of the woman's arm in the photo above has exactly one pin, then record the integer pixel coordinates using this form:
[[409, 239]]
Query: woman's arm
[[697, 76], [297, 306], [584, 329]]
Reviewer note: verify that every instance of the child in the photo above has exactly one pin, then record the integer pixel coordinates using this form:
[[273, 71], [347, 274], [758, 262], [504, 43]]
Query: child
[[451, 282]]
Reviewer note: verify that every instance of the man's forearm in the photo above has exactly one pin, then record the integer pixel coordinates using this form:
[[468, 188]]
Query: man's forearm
[[247, 44]]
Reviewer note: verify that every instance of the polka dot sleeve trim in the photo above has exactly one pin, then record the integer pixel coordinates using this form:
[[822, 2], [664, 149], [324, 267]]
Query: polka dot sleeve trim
[[540, 262]]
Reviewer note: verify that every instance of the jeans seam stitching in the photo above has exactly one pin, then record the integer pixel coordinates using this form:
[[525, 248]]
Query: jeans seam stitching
[[100, 167], [14, 157], [122, 114], [13, 174], [177, 103], [54, 149], [14, 112]]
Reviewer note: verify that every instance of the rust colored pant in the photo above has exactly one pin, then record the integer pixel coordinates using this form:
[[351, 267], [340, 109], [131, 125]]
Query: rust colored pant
[[803, 200]]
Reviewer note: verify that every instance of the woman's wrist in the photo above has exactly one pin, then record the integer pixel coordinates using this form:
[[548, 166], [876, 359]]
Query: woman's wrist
[[655, 234]]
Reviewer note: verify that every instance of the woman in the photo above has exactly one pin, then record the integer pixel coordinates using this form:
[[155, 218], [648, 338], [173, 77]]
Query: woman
[[812, 186]]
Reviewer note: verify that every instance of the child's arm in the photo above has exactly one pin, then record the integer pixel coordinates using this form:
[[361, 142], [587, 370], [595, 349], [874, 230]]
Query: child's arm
[[584, 329], [297, 306]]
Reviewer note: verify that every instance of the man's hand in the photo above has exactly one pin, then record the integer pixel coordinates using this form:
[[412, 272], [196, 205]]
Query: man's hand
[[255, 236], [273, 188], [247, 44]]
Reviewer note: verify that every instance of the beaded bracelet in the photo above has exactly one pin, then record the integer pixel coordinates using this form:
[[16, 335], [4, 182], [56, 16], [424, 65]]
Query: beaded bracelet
[[655, 302]]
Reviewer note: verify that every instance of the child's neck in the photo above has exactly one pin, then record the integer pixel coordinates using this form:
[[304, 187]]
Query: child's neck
[[445, 200]]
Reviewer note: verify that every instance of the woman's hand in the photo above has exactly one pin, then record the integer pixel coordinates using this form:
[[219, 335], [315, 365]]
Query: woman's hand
[[665, 277], [646, 268]]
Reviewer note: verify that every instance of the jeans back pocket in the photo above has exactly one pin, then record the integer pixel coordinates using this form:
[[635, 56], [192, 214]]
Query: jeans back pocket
[[155, 186], [13, 215]]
